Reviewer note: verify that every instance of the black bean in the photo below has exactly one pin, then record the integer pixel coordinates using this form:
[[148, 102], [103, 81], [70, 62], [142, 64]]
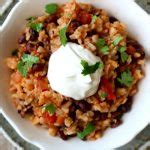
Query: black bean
[[73, 26], [62, 135], [117, 114], [128, 104], [33, 35], [72, 108], [72, 115], [51, 18], [139, 49], [22, 39], [122, 109], [29, 47], [40, 44], [47, 40], [73, 41], [91, 33], [80, 128], [37, 67], [110, 102], [137, 46], [97, 115], [19, 111], [29, 110], [116, 124], [104, 116], [72, 135], [72, 111], [142, 54], [22, 113], [83, 105], [112, 19], [95, 11], [64, 101], [47, 57]]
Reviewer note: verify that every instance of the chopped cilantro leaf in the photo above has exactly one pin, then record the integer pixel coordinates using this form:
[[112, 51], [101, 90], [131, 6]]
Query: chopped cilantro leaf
[[117, 40], [94, 18], [29, 58], [102, 95], [126, 78], [51, 8], [63, 37], [122, 49], [89, 129], [87, 69], [50, 108], [100, 43], [22, 68], [123, 54], [104, 50], [36, 26], [124, 57], [31, 19], [26, 63]]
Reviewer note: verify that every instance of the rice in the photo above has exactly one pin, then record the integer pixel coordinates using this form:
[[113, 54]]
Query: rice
[[30, 94]]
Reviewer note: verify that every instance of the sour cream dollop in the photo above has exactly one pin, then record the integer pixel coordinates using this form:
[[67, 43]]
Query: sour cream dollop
[[65, 72]]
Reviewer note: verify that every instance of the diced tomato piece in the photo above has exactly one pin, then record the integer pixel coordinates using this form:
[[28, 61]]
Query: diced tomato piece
[[84, 17], [49, 119], [108, 88], [131, 50], [42, 84], [60, 120]]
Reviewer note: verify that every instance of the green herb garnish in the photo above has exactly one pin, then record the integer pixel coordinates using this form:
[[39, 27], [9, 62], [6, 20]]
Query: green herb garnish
[[31, 19], [94, 18], [87, 69], [89, 129], [102, 95], [50, 108], [63, 37], [124, 55], [105, 50], [36, 26], [26, 63], [122, 49], [117, 40], [126, 78], [51, 8], [101, 45]]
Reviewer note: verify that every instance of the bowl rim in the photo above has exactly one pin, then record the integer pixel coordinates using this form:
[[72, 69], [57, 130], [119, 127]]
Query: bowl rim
[[18, 4]]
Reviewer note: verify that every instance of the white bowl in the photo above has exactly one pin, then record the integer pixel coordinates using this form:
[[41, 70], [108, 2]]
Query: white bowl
[[138, 24]]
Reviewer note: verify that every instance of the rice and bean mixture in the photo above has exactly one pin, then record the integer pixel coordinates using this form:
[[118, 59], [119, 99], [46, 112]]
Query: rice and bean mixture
[[103, 35]]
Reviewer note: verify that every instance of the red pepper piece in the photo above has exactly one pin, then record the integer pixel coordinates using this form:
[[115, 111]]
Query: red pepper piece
[[49, 119], [84, 17], [107, 87]]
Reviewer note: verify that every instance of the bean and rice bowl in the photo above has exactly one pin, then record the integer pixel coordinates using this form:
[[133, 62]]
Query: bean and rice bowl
[[100, 33]]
